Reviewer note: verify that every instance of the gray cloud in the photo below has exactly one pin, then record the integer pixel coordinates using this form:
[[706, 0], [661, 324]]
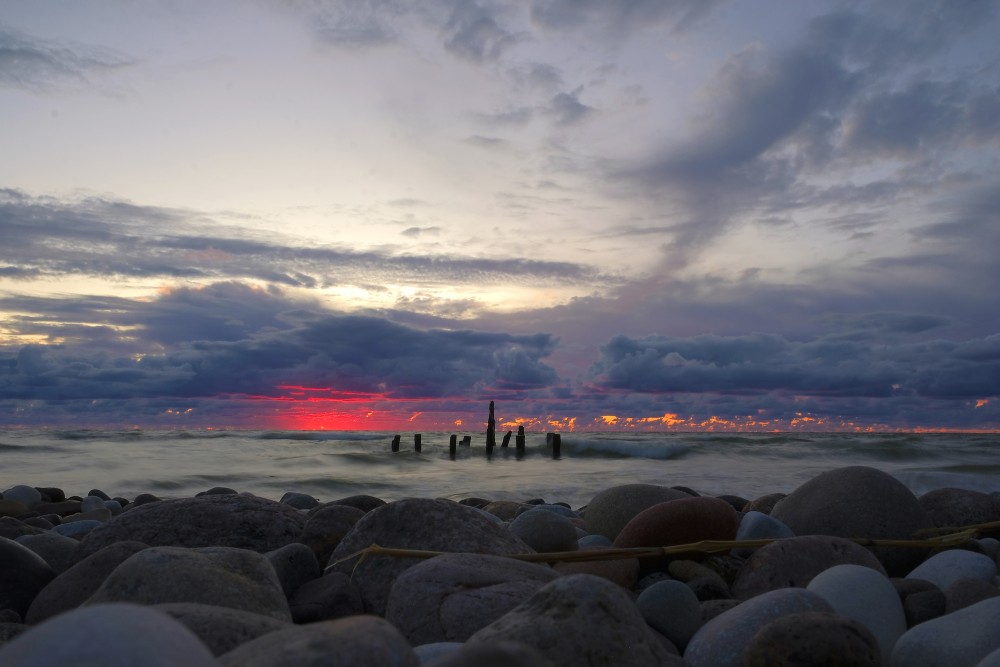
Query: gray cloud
[[568, 109], [38, 65], [623, 16]]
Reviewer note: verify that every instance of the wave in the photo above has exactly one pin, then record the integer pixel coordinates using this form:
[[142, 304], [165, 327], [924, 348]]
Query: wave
[[318, 436], [621, 449]]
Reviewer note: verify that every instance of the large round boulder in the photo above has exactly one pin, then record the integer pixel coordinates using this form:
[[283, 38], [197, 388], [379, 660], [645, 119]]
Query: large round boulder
[[858, 502], [609, 511], [415, 523]]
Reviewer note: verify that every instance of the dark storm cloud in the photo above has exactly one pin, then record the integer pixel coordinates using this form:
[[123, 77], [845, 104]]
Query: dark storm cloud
[[568, 109], [232, 339], [829, 367], [40, 65], [472, 32], [850, 88], [98, 237]]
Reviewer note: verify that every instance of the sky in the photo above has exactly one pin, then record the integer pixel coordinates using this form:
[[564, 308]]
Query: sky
[[380, 214]]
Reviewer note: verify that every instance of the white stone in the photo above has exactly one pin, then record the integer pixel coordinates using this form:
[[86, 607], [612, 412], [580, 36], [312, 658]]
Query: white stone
[[959, 639], [945, 568]]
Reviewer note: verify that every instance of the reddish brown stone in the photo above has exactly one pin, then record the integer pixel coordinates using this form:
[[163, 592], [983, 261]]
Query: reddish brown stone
[[680, 521]]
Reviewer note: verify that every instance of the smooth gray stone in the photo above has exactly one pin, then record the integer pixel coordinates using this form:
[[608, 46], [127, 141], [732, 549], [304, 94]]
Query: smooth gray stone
[[222, 576], [28, 496], [594, 542], [759, 526], [561, 510], [325, 528], [722, 640], [416, 523], [544, 531], [672, 609], [858, 501], [813, 638], [221, 629], [956, 508], [75, 586], [959, 639], [92, 503], [427, 652], [114, 507], [57, 550], [866, 596], [945, 568], [450, 597], [991, 660], [581, 619], [331, 596], [300, 501], [23, 573], [241, 521], [78, 529], [295, 564], [113, 635], [356, 641]]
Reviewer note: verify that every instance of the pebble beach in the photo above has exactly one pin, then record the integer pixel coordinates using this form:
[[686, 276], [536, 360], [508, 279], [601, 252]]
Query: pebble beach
[[849, 568]]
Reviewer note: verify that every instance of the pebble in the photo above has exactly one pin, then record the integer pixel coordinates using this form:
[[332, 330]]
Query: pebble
[[545, 531], [221, 629], [945, 568], [111, 635], [28, 496], [722, 640], [331, 596], [959, 639], [672, 609], [813, 639], [868, 597], [295, 564], [23, 573], [680, 521]]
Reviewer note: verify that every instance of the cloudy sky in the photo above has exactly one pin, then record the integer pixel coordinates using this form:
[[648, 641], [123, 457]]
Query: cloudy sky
[[384, 214]]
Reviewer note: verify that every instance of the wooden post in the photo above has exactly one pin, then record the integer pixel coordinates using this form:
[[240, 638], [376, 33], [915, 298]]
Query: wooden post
[[395, 443], [548, 439], [467, 441], [556, 445], [452, 445], [491, 432], [519, 442], [416, 442], [506, 438]]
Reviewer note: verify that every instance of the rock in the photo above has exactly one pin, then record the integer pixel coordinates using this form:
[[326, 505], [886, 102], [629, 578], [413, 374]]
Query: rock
[[609, 511], [946, 567], [91, 503], [623, 571], [326, 527], [12, 508], [222, 576], [959, 507], [759, 526], [55, 549], [61, 508], [300, 501], [681, 521], [858, 501], [960, 639], [712, 608], [594, 542], [428, 652], [357, 641], [100, 494], [144, 499], [331, 596], [363, 502], [672, 609], [544, 531], [9, 630], [965, 592], [795, 561], [580, 620], [494, 654], [28, 496], [416, 523], [217, 491], [51, 494], [991, 660], [11, 528], [736, 502], [221, 629], [505, 510], [23, 573], [722, 641], [450, 597], [101, 514], [475, 501], [813, 639], [73, 587], [868, 597], [114, 635], [763, 504], [295, 564], [556, 508], [78, 529], [242, 522], [921, 600]]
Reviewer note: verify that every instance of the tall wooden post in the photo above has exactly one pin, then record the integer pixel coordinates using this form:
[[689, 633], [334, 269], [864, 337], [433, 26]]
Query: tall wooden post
[[452, 446], [556, 445], [491, 432], [416, 442], [506, 439], [519, 442], [395, 443]]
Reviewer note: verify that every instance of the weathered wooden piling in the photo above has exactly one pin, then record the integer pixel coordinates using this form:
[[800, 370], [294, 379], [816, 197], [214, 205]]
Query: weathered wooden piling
[[453, 446], [467, 441], [506, 439], [556, 445], [395, 443], [519, 442], [416, 442], [491, 432]]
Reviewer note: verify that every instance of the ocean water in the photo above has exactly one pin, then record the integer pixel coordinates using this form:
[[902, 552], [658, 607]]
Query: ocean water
[[331, 465]]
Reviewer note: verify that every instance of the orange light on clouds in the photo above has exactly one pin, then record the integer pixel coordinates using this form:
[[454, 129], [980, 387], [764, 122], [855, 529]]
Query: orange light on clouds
[[982, 402]]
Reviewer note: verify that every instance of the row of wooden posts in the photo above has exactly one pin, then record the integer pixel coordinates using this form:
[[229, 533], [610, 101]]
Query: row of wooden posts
[[553, 440]]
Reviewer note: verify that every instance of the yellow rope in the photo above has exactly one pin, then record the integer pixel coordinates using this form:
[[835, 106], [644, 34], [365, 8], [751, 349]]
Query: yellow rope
[[952, 539]]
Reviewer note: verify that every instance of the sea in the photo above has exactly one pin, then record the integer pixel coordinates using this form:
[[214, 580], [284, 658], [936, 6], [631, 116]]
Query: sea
[[330, 465]]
